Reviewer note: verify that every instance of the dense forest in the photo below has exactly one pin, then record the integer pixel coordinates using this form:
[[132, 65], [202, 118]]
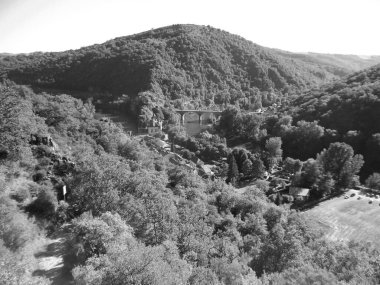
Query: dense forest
[[350, 107], [181, 66], [145, 209], [346, 111], [137, 218]]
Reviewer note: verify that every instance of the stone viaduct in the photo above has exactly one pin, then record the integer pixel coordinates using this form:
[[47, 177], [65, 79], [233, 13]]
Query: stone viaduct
[[200, 113]]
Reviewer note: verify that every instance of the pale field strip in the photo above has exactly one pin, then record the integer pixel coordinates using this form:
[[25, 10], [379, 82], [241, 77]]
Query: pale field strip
[[349, 219]]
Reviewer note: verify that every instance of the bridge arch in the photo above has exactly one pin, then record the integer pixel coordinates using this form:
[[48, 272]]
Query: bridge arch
[[200, 113]]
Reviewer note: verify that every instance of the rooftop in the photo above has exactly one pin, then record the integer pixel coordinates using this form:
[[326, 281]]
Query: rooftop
[[298, 191]]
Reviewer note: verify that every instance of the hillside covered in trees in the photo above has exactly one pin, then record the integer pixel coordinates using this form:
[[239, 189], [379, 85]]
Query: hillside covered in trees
[[339, 64], [351, 108], [137, 218], [345, 111], [178, 65], [134, 212]]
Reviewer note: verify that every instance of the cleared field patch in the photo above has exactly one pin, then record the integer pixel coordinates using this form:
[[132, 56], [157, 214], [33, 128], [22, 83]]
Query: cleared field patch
[[349, 219]]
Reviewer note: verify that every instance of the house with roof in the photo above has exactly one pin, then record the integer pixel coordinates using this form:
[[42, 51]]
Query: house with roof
[[205, 170], [299, 193], [154, 126]]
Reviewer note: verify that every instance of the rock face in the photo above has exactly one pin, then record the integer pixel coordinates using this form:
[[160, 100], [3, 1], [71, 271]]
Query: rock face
[[59, 165]]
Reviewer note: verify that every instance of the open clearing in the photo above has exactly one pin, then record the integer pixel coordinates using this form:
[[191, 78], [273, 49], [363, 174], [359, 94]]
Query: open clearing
[[349, 219]]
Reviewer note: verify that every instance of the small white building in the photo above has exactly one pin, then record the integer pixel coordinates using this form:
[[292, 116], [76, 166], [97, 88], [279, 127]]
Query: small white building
[[206, 170], [299, 194]]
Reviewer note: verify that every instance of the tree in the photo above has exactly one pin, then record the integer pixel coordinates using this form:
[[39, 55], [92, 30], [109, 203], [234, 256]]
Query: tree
[[262, 185], [147, 205], [93, 234], [303, 140], [273, 147], [17, 123], [227, 121], [203, 276], [45, 204], [258, 168], [19, 236], [131, 149], [310, 173], [325, 185], [373, 181], [233, 172], [372, 154], [339, 160], [247, 126], [306, 274], [124, 260], [247, 167], [15, 228], [292, 166], [145, 116], [96, 184], [175, 132], [240, 155], [282, 125], [195, 232]]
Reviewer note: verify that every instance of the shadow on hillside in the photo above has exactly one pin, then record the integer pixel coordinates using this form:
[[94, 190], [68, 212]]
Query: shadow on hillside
[[58, 276], [56, 260], [52, 249]]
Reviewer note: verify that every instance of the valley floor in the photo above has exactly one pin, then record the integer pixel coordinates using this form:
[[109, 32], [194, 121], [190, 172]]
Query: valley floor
[[353, 218]]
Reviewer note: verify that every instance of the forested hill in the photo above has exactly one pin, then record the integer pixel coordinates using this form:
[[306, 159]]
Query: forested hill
[[349, 104], [350, 107], [134, 215], [338, 64], [195, 65]]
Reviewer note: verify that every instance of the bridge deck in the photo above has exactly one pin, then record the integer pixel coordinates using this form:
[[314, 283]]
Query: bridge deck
[[198, 111]]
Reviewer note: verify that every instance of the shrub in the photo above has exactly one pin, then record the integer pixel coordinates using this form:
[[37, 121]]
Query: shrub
[[45, 161], [3, 154], [19, 188], [203, 276], [45, 204], [159, 135], [373, 181], [42, 151], [21, 194], [61, 214], [288, 198], [15, 228], [39, 175]]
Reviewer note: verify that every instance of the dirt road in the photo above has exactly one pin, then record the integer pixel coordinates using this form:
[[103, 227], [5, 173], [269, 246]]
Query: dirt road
[[54, 260]]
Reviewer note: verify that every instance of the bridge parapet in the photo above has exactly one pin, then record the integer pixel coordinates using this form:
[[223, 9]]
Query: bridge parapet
[[200, 113]]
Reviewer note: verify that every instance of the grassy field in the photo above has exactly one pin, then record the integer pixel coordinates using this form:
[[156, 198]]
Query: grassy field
[[349, 219]]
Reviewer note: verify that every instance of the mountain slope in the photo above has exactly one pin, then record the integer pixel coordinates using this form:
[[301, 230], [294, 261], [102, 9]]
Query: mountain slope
[[338, 64], [349, 104], [196, 64], [351, 107]]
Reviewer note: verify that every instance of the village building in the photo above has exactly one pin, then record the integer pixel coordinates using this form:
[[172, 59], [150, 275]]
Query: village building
[[299, 194], [162, 144], [205, 170], [153, 130], [153, 127]]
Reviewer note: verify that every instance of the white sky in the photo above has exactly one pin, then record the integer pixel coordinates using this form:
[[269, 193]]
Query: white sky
[[327, 26]]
